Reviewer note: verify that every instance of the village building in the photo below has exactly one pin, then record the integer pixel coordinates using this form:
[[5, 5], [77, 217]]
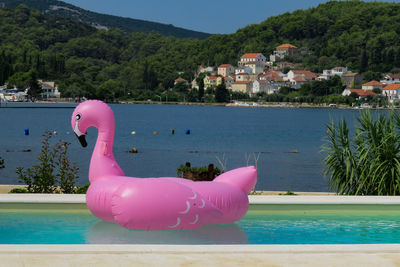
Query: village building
[[360, 92], [305, 74], [255, 61], [259, 86], [351, 80], [228, 82], [328, 74], [180, 80], [242, 86], [212, 81], [372, 85], [243, 76], [391, 91], [248, 70], [49, 89], [391, 78], [225, 70], [282, 51], [209, 69]]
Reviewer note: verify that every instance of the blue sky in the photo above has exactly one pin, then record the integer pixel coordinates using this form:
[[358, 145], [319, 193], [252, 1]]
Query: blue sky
[[212, 16]]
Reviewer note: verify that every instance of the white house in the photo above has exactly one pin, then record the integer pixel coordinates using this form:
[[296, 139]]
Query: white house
[[259, 86], [256, 61], [391, 91], [328, 74], [372, 85], [391, 78], [49, 89], [248, 70], [305, 74]]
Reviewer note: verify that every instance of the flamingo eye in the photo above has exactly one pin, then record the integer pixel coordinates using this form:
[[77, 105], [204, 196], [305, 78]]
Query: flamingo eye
[[78, 117]]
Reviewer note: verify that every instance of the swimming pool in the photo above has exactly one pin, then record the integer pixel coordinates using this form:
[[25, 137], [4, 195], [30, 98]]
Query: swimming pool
[[273, 223]]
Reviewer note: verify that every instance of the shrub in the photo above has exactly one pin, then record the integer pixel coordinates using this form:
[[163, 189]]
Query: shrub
[[82, 189], [19, 190], [42, 178], [369, 163], [206, 173]]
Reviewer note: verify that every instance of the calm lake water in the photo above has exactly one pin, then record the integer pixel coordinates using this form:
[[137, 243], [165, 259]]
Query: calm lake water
[[239, 135]]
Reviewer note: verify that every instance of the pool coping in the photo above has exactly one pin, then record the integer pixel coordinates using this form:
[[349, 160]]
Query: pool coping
[[253, 199], [200, 255]]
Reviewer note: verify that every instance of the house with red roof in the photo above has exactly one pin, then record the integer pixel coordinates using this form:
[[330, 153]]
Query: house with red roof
[[360, 92], [180, 80], [372, 85], [283, 50], [255, 61], [300, 77], [212, 81], [391, 91], [287, 49], [225, 70], [49, 89]]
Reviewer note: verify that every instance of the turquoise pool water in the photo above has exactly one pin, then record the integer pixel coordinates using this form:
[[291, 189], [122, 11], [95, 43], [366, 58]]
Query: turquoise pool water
[[264, 224]]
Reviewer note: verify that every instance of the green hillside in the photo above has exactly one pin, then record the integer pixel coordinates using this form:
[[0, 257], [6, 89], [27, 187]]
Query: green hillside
[[128, 25], [363, 36]]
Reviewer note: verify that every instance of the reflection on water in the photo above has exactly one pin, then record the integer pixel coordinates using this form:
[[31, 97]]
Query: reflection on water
[[111, 233]]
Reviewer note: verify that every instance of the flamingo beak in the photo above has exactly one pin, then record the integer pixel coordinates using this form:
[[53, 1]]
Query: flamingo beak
[[82, 140], [80, 135]]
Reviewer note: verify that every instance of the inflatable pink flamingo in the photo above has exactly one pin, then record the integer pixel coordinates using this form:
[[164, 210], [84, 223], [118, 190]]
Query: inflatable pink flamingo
[[154, 203]]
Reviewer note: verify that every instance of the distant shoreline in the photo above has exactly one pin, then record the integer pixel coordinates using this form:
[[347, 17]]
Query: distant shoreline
[[239, 104]]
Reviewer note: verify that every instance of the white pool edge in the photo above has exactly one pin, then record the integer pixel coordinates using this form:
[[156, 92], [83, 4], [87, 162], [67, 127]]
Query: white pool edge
[[254, 199]]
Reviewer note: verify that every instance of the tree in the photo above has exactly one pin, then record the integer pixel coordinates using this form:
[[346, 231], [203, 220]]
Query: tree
[[200, 83], [35, 88], [221, 93]]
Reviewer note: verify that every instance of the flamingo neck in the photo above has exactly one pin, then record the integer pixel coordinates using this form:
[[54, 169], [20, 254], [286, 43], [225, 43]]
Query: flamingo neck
[[103, 162]]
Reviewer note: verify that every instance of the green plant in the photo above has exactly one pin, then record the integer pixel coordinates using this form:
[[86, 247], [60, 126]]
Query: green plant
[[67, 173], [41, 178], [368, 163], [289, 193], [198, 173], [83, 189], [19, 190]]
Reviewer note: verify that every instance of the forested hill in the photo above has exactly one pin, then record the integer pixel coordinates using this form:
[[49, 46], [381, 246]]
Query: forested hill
[[363, 36], [128, 25]]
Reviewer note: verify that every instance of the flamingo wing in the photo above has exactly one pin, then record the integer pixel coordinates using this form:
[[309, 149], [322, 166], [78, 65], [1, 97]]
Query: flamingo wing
[[158, 204]]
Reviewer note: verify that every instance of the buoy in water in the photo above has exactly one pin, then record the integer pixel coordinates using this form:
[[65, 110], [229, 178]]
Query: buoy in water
[[188, 131], [26, 130], [55, 132], [133, 132], [133, 150], [155, 132], [172, 131]]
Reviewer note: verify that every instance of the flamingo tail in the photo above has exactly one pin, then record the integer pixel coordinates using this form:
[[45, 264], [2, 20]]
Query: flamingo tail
[[244, 178]]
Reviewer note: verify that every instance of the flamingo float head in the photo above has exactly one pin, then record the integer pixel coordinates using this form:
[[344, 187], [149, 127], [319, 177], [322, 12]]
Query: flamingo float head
[[92, 113]]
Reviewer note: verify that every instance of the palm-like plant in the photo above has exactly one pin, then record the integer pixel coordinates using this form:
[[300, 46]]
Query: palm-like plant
[[369, 163]]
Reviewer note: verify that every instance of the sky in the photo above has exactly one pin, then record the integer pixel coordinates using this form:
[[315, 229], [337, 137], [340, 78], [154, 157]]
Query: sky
[[210, 16]]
